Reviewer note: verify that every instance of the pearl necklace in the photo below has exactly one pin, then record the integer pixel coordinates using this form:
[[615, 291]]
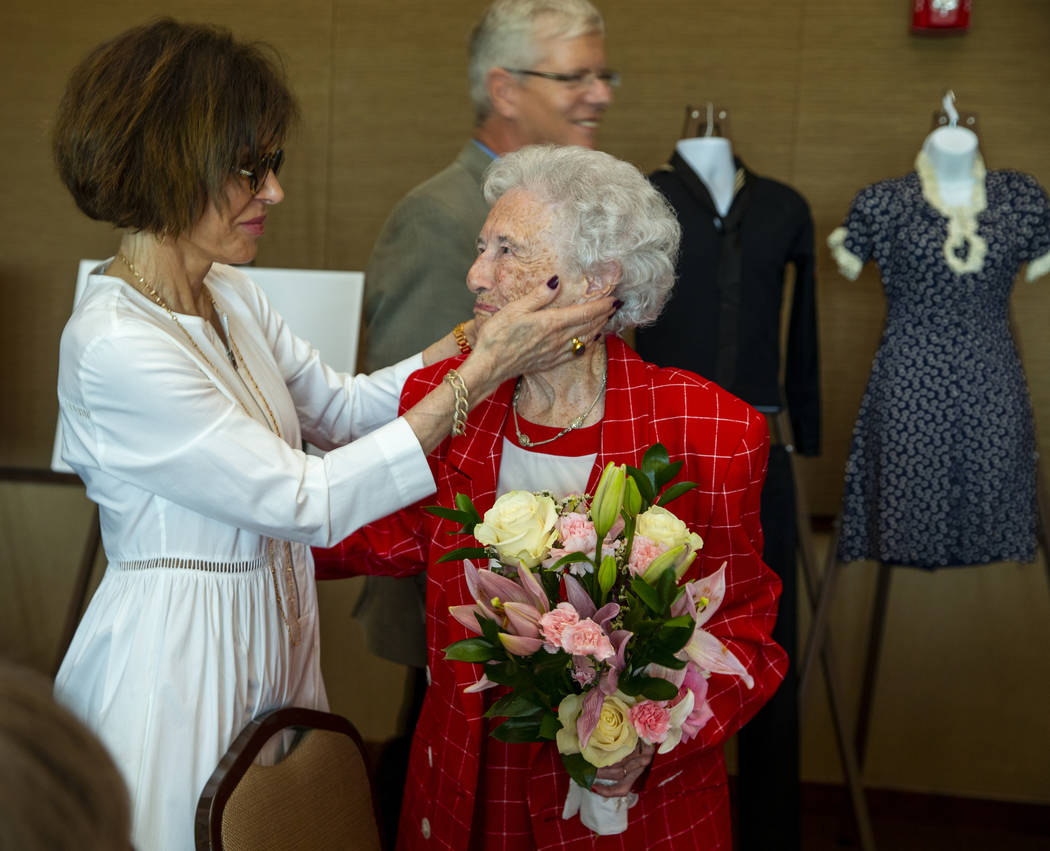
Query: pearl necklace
[[526, 441], [292, 625]]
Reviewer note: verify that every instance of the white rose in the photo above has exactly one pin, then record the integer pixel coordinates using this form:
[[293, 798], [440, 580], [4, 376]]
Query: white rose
[[660, 525], [522, 526], [613, 738]]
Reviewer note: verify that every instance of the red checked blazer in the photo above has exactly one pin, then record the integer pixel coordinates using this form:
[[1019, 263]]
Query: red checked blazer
[[684, 800]]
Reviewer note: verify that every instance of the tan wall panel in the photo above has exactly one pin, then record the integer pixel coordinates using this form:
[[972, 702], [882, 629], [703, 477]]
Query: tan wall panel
[[400, 110], [823, 95]]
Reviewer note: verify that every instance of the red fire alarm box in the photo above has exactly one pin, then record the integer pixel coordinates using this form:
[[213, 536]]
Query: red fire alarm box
[[940, 16]]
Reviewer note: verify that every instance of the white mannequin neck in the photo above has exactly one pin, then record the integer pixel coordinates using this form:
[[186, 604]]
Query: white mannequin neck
[[711, 158], [952, 152]]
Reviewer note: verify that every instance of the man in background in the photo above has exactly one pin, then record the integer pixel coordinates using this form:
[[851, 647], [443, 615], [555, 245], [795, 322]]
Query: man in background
[[537, 75]]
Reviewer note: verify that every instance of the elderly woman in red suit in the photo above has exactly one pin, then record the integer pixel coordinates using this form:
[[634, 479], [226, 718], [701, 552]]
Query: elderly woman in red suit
[[598, 225]]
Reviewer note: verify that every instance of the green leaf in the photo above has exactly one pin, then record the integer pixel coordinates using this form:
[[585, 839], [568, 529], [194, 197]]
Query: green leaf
[[519, 730], [472, 650], [464, 504], [448, 513], [465, 552], [549, 726], [513, 706], [568, 559], [552, 585], [579, 769], [489, 628], [667, 586], [647, 594], [659, 657], [667, 472], [673, 639], [655, 458], [551, 662], [657, 688], [675, 491], [501, 674]]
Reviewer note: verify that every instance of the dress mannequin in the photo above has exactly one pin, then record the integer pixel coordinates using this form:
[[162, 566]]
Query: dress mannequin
[[711, 157], [940, 471], [724, 321], [952, 152]]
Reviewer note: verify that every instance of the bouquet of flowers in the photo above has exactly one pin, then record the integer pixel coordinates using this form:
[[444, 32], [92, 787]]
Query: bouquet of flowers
[[582, 614]]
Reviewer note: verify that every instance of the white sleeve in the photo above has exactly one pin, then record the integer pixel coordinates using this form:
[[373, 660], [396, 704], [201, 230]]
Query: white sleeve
[[333, 408], [141, 410]]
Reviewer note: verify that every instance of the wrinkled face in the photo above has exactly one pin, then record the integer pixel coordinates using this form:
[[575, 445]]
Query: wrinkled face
[[555, 112], [519, 249], [232, 234]]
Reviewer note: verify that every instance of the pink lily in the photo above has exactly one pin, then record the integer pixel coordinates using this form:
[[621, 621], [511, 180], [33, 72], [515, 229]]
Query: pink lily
[[610, 679], [522, 619], [516, 608], [520, 645], [701, 600], [500, 599], [590, 712], [578, 597], [481, 685]]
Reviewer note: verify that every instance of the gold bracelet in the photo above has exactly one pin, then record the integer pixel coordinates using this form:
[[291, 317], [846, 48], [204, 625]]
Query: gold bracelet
[[459, 415], [461, 338]]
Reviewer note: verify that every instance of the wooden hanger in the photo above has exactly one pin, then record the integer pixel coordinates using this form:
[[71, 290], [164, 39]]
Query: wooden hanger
[[707, 120], [949, 116]]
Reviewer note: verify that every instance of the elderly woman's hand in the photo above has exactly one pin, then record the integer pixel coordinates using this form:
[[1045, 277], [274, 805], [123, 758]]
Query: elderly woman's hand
[[521, 337], [525, 337], [625, 772]]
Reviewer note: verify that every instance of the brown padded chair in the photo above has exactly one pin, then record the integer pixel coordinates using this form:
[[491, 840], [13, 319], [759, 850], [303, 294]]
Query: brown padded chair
[[318, 797]]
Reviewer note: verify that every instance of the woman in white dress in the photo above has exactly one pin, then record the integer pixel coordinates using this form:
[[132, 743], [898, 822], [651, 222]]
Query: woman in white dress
[[185, 399]]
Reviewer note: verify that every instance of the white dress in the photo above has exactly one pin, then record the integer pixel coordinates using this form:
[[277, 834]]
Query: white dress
[[184, 641]]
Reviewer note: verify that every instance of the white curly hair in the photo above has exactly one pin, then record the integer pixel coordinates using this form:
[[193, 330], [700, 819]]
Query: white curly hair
[[608, 212]]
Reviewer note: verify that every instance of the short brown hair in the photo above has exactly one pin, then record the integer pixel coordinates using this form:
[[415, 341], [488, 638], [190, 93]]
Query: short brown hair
[[153, 122], [59, 787]]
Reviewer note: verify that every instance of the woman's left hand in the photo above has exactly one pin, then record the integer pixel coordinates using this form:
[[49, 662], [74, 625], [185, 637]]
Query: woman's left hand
[[625, 772]]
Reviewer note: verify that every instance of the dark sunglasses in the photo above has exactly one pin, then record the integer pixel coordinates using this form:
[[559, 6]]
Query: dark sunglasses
[[263, 166]]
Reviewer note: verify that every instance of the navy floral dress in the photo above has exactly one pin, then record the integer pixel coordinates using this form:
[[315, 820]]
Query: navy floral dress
[[941, 470]]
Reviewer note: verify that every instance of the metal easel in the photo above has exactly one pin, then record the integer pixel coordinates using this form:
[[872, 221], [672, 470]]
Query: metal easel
[[819, 592], [880, 604]]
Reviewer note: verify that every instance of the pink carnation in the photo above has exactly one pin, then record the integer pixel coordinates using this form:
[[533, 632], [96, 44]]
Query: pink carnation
[[643, 551], [651, 720], [695, 682], [554, 623], [586, 638], [577, 534]]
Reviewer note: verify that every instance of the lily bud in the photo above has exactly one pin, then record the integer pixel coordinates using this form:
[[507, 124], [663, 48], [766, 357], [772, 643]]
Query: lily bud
[[683, 565], [664, 561], [632, 498], [607, 574], [608, 498], [520, 645], [522, 619]]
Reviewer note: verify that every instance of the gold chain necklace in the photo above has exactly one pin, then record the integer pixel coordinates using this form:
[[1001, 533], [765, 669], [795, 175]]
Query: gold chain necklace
[[293, 625], [526, 441]]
